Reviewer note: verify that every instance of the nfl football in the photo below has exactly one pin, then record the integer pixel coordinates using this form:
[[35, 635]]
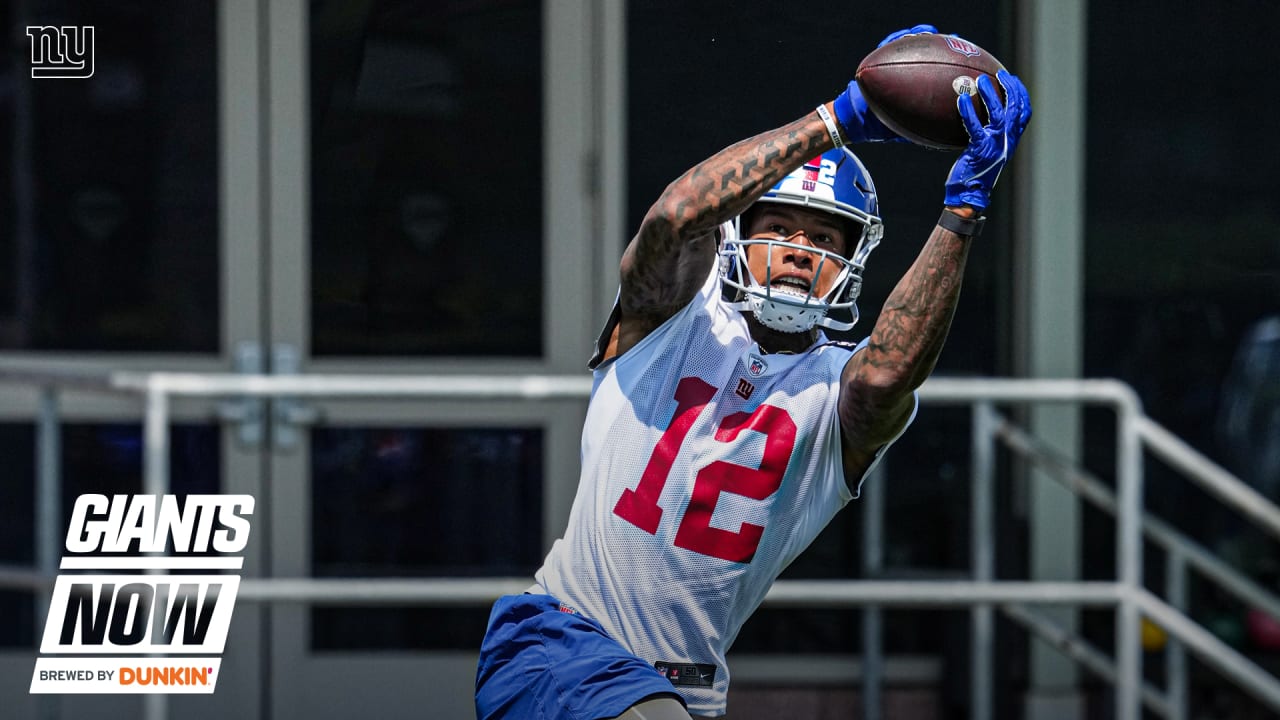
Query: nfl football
[[912, 83]]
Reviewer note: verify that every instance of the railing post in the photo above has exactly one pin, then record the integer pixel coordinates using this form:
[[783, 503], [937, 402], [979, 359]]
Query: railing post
[[48, 490], [155, 471], [48, 514], [1175, 658], [1128, 562], [872, 617], [155, 481], [982, 549]]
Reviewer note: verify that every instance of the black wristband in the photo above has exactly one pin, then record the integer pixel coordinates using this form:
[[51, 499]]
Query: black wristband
[[971, 227]]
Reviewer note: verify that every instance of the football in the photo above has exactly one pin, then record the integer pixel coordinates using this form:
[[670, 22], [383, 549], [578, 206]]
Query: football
[[912, 84]]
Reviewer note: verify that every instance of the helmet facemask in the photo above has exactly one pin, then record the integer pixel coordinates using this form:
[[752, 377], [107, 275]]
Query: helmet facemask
[[797, 307]]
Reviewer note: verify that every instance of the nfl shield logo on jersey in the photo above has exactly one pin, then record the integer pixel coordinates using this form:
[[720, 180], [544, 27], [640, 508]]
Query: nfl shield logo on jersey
[[756, 366]]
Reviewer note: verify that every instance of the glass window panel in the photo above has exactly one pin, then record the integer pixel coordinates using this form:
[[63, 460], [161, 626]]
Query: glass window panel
[[96, 458], [110, 234], [427, 178], [416, 502], [1182, 280], [17, 530], [1182, 224], [699, 81]]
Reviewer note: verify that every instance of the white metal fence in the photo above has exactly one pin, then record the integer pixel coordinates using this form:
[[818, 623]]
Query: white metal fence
[[983, 594]]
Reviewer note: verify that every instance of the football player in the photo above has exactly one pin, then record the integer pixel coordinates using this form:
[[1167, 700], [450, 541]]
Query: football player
[[724, 430]]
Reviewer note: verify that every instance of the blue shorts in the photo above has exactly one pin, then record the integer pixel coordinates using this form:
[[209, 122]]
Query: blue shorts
[[540, 662]]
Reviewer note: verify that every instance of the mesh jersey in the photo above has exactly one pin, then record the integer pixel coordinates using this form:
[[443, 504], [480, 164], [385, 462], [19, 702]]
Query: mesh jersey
[[707, 467]]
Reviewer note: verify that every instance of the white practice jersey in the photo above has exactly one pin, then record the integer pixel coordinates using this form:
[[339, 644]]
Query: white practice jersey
[[707, 467]]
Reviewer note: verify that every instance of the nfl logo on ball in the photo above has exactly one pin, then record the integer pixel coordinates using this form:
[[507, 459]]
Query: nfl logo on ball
[[964, 47]]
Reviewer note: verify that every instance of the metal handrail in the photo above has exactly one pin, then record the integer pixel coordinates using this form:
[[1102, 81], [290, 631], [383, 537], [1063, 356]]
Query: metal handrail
[[1158, 531], [1209, 475], [1182, 550], [1212, 651], [1083, 652], [784, 593], [1133, 431], [24, 578]]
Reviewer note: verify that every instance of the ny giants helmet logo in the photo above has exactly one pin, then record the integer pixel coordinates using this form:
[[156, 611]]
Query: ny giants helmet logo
[[809, 182], [962, 46], [814, 172]]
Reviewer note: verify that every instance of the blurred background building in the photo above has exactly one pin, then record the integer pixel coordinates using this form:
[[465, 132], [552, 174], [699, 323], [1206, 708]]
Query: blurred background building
[[445, 186]]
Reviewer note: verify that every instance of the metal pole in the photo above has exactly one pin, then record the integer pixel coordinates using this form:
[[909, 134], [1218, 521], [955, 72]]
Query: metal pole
[[155, 477], [155, 481], [981, 543], [872, 661], [1128, 563], [926, 594], [872, 616], [48, 491], [48, 513], [1175, 658]]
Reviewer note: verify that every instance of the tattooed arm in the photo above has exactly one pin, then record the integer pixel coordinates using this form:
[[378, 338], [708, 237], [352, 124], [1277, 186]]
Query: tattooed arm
[[669, 258], [878, 382], [876, 394]]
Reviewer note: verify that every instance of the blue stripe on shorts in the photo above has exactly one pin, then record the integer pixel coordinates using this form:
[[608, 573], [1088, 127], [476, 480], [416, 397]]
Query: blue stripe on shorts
[[539, 662]]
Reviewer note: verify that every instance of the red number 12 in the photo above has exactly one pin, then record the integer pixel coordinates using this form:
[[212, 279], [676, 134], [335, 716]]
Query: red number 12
[[640, 506]]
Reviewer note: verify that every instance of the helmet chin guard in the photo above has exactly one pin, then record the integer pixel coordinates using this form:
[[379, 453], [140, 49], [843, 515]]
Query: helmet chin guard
[[835, 183]]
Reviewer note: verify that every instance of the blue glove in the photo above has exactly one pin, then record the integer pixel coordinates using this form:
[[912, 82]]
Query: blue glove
[[990, 147], [857, 122]]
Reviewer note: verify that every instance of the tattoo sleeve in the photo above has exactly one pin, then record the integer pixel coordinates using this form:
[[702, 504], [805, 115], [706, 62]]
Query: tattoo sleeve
[[906, 340], [669, 257]]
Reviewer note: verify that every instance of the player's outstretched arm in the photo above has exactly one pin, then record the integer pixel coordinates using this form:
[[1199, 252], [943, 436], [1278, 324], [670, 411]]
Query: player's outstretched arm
[[876, 396], [669, 258]]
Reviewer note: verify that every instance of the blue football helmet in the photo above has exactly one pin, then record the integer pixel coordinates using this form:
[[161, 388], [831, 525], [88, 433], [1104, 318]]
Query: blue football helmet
[[837, 183]]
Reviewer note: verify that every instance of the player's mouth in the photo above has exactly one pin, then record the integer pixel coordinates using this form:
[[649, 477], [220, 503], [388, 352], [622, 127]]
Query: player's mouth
[[792, 285]]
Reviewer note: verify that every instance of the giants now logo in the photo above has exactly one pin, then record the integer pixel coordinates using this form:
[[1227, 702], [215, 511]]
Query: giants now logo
[[139, 616]]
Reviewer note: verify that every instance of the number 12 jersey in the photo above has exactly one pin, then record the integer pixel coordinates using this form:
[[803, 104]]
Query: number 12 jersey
[[707, 468]]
